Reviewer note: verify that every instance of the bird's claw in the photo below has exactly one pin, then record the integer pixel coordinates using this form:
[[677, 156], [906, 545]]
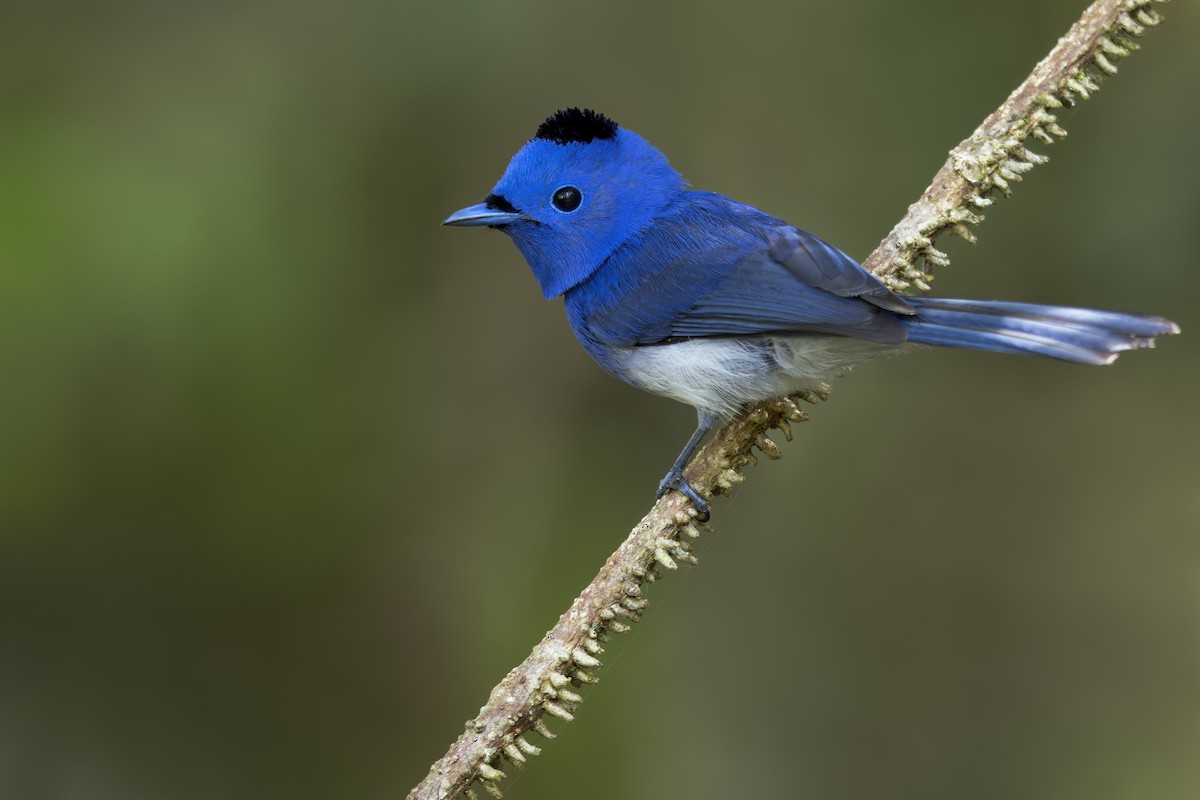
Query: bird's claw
[[675, 480]]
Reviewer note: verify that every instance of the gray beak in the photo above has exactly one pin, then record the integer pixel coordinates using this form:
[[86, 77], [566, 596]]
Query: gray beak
[[482, 215]]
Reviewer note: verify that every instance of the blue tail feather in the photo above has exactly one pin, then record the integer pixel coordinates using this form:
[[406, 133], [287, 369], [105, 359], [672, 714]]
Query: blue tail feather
[[1071, 334]]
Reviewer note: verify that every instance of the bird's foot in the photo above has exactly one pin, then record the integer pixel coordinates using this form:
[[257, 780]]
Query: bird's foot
[[675, 480]]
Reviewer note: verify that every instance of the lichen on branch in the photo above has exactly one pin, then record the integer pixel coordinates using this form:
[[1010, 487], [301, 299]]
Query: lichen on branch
[[547, 683], [996, 155]]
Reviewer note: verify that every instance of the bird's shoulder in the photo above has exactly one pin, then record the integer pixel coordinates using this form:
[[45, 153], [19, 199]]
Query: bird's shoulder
[[711, 266], [657, 274]]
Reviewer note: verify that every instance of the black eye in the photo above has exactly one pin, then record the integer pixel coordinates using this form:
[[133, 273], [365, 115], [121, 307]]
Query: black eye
[[566, 198]]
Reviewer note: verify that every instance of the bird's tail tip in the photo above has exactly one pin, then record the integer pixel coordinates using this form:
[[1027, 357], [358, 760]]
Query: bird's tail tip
[[1081, 335]]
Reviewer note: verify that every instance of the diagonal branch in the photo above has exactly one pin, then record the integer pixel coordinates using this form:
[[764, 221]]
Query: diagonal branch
[[994, 156], [987, 162]]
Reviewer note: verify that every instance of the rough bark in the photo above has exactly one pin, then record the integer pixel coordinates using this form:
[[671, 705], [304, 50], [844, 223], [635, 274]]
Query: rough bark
[[985, 163]]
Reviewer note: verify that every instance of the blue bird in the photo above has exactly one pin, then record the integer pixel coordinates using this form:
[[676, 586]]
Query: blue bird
[[703, 299]]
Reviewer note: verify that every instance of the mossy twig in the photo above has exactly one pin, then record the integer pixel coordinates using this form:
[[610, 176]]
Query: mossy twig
[[995, 156], [986, 163]]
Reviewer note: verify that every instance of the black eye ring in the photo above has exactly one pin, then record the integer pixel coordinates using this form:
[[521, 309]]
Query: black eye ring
[[566, 199]]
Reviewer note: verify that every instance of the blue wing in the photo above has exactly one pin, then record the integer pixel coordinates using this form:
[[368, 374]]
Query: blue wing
[[720, 268]]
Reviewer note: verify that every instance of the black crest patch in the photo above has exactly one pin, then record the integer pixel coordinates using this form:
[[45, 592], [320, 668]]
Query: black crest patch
[[576, 125]]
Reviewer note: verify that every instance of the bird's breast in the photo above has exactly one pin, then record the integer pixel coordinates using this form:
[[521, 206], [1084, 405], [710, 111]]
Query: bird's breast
[[723, 374]]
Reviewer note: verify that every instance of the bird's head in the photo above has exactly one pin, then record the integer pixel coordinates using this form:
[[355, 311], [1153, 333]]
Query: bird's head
[[574, 193]]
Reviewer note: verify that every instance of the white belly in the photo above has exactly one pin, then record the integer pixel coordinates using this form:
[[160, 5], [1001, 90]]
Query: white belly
[[723, 374]]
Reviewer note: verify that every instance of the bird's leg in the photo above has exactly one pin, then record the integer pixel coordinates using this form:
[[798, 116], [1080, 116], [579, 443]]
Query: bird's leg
[[674, 479]]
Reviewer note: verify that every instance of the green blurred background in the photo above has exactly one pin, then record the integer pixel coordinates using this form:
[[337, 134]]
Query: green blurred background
[[290, 476]]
